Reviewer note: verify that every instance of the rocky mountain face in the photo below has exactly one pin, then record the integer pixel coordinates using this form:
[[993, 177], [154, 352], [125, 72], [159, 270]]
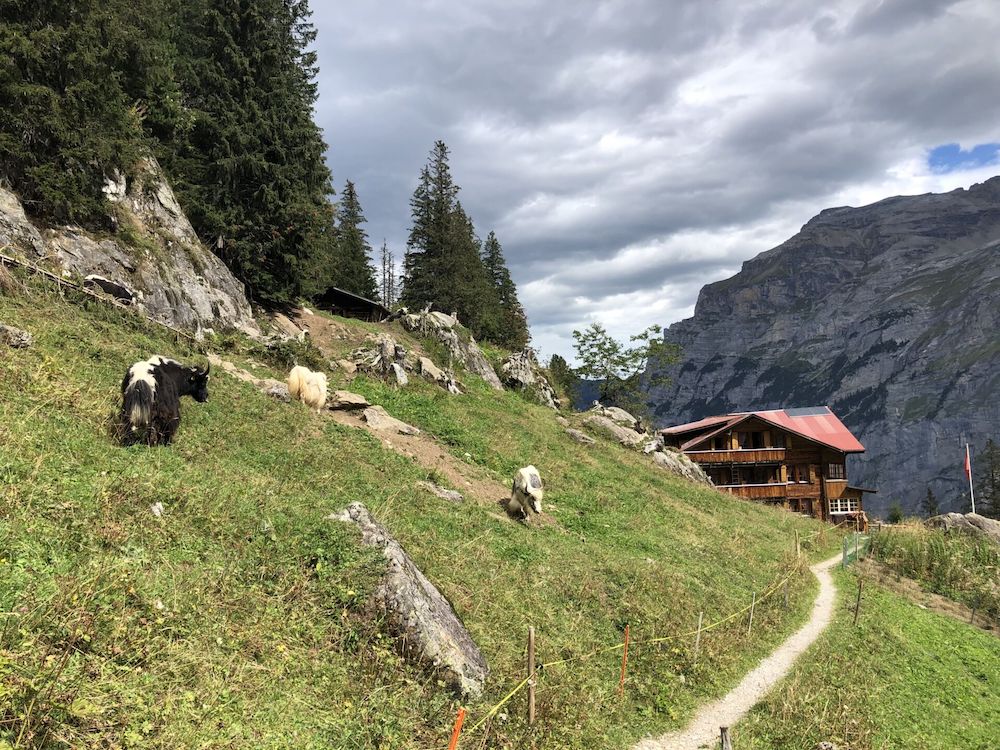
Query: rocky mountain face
[[889, 314], [155, 259]]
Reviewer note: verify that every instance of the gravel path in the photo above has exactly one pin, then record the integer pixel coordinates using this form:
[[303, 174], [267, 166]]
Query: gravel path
[[703, 731]]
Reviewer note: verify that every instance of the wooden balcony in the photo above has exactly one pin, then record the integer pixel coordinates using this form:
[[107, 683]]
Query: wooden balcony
[[757, 491], [742, 456]]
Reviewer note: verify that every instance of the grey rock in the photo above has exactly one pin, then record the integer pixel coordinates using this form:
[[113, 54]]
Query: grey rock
[[15, 338], [452, 496], [458, 340], [431, 371], [419, 615], [520, 371], [379, 419], [681, 465], [970, 523], [562, 420], [886, 313], [173, 277], [347, 401], [349, 367], [608, 428], [826, 746], [399, 374], [580, 437]]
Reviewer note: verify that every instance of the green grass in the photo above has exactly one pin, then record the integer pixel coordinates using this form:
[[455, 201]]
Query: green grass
[[238, 619], [904, 678], [955, 565]]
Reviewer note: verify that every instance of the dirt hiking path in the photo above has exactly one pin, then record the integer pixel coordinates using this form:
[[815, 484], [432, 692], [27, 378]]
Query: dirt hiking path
[[703, 731]]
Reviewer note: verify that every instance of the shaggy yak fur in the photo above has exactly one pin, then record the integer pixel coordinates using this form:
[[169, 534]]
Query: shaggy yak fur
[[151, 399], [308, 387], [526, 493]]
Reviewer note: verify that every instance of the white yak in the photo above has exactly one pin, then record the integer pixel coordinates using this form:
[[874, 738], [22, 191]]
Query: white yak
[[308, 387], [526, 493]]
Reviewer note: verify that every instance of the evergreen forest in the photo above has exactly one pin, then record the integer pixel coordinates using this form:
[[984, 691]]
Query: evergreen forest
[[222, 94]]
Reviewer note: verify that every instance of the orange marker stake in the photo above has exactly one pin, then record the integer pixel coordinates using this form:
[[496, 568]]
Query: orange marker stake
[[621, 682], [457, 730]]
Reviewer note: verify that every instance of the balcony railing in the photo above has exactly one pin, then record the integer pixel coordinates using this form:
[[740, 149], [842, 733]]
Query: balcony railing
[[740, 456], [774, 489]]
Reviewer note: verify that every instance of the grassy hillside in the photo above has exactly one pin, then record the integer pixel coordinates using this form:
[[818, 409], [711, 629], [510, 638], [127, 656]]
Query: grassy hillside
[[236, 617], [903, 678]]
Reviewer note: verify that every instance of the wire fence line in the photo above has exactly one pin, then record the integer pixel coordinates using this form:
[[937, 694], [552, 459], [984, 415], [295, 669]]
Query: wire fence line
[[541, 668]]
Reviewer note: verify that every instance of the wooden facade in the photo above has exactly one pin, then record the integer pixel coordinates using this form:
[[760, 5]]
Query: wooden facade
[[794, 458]]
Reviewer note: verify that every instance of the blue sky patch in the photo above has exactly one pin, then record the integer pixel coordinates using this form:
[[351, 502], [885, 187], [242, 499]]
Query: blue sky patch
[[951, 158]]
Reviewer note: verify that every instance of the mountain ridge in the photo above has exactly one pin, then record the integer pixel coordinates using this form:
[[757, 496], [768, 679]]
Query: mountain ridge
[[883, 312]]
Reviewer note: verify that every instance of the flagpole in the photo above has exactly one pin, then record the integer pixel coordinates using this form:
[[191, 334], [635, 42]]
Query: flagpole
[[968, 465]]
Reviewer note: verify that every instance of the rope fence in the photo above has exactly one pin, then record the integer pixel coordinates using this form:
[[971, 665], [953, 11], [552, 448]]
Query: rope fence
[[540, 669]]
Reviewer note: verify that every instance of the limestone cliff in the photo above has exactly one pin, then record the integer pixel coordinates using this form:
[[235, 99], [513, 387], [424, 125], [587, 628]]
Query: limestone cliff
[[155, 254], [889, 313]]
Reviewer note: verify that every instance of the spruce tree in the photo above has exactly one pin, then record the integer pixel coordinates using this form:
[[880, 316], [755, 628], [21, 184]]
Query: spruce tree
[[387, 290], [988, 480], [929, 506], [83, 85], [509, 325], [352, 262], [250, 171]]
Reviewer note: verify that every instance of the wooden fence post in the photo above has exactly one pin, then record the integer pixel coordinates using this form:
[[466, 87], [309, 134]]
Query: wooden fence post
[[798, 546], [724, 738], [697, 639], [753, 604], [857, 603], [531, 675]]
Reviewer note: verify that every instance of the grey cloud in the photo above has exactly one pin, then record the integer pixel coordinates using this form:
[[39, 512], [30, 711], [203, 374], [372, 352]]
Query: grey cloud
[[579, 129]]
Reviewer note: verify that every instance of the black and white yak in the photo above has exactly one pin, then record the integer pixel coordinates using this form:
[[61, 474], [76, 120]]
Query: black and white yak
[[151, 399]]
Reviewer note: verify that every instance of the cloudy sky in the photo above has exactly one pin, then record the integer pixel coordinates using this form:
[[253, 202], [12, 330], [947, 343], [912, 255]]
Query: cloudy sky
[[629, 152]]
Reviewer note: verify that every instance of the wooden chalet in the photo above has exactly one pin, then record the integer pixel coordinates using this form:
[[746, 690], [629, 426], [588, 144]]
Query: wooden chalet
[[795, 458]]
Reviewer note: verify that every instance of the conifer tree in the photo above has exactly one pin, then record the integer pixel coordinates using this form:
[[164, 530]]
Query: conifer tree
[[352, 262], [82, 86], [387, 290], [250, 171], [988, 480], [509, 325], [929, 506]]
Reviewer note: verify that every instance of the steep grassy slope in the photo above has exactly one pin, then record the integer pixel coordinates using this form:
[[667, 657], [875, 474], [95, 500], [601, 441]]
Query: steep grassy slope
[[235, 618], [903, 678]]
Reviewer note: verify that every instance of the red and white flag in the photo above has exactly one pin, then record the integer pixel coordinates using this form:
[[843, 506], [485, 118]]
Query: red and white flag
[[968, 463]]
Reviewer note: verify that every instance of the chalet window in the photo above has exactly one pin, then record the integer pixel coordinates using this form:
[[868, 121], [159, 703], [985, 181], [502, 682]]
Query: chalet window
[[843, 505], [757, 439], [720, 443], [802, 473], [836, 471], [743, 438], [779, 439]]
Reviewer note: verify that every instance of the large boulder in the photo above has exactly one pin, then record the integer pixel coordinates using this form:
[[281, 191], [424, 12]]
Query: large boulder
[[970, 523], [347, 401], [418, 614], [609, 428], [681, 465], [521, 372], [171, 276], [457, 339], [616, 415]]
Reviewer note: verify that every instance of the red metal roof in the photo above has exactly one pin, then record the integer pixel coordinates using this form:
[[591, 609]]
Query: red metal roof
[[817, 423]]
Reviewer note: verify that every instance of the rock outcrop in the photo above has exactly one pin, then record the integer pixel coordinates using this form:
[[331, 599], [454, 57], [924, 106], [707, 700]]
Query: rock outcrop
[[609, 428], [970, 523], [418, 614], [457, 339], [520, 371], [170, 275], [681, 465], [379, 419], [887, 313]]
